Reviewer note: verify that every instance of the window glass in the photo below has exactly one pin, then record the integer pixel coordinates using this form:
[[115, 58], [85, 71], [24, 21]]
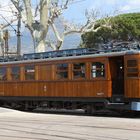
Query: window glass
[[15, 73], [62, 75], [62, 67], [79, 70], [97, 69], [3, 73], [61, 71], [29, 72]]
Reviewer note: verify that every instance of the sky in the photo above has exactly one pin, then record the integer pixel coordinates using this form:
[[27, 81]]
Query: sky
[[76, 12]]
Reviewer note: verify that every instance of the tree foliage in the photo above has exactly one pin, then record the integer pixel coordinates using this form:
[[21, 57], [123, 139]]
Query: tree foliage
[[125, 27]]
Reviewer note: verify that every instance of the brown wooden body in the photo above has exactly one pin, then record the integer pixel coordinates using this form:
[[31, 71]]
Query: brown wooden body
[[46, 84], [132, 84]]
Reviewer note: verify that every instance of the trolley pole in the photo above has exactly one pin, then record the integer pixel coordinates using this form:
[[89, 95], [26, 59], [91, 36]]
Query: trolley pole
[[19, 34]]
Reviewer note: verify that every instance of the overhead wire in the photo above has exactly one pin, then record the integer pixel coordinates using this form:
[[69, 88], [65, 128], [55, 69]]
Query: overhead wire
[[5, 11], [6, 5], [76, 1]]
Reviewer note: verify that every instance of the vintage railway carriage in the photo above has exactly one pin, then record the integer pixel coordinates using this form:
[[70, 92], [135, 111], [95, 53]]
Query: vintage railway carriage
[[72, 79]]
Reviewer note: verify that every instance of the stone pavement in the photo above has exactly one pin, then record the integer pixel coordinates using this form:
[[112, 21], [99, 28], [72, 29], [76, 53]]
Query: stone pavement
[[16, 125]]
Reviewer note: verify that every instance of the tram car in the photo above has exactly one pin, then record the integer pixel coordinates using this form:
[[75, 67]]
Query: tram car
[[72, 79]]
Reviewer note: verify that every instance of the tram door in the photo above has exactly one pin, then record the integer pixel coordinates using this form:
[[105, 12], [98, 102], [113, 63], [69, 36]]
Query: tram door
[[117, 77]]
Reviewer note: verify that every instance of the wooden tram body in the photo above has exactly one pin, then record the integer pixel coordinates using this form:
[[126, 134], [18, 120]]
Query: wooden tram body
[[90, 81]]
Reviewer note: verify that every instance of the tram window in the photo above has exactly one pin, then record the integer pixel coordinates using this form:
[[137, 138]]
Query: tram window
[[3, 74], [97, 70], [29, 72], [61, 71], [132, 68], [79, 70], [131, 63], [15, 73]]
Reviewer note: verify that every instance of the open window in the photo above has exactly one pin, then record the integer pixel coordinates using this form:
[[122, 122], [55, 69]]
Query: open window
[[132, 68]]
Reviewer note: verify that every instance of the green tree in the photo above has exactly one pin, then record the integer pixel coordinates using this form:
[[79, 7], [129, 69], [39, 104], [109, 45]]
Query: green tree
[[125, 27]]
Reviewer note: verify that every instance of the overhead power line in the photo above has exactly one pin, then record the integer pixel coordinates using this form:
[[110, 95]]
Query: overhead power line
[[77, 1], [8, 23]]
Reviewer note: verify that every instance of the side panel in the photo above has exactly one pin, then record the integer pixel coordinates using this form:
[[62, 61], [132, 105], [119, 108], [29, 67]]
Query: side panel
[[1, 89], [46, 83], [132, 88], [132, 83], [13, 89], [59, 89]]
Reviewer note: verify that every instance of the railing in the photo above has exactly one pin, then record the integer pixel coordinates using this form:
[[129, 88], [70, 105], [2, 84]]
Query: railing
[[118, 47]]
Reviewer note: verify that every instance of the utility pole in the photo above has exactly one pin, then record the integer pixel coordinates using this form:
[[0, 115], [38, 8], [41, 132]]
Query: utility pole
[[19, 33], [6, 38]]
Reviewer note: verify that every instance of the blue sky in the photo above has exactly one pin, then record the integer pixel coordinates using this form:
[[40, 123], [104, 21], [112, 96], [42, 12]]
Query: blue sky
[[76, 11]]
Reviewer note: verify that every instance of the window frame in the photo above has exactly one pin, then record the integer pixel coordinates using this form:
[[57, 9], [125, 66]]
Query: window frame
[[79, 70], [132, 67], [3, 80], [105, 70], [61, 71], [19, 74], [26, 79]]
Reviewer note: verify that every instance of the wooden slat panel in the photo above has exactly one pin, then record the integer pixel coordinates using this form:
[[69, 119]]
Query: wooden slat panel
[[132, 88], [1, 89], [13, 89], [77, 89], [132, 84], [45, 72], [30, 89], [46, 84], [59, 89]]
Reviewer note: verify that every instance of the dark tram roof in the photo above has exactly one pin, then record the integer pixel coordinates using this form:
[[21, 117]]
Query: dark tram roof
[[120, 48]]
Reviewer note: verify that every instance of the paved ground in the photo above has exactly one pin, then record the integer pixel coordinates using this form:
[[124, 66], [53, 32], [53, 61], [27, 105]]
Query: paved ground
[[16, 125]]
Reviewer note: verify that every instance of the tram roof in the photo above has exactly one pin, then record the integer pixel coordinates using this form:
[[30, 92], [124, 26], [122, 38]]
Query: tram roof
[[109, 54], [120, 50]]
